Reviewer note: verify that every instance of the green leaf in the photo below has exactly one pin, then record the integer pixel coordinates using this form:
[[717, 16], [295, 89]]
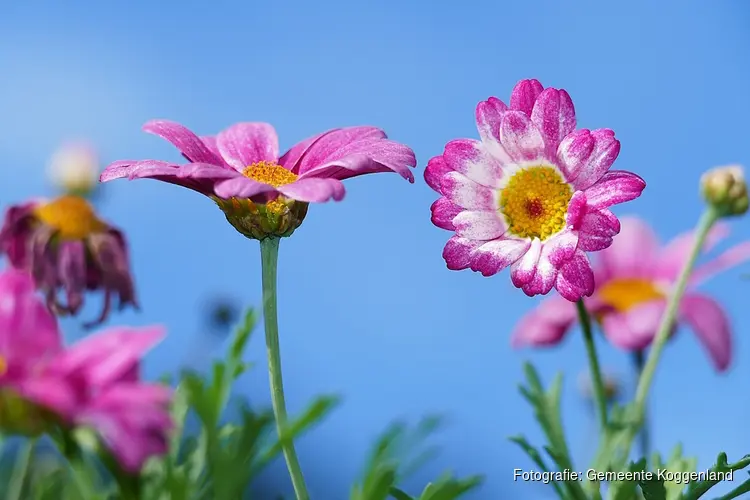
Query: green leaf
[[546, 406], [447, 488], [537, 458], [653, 488], [316, 412], [398, 494], [720, 471]]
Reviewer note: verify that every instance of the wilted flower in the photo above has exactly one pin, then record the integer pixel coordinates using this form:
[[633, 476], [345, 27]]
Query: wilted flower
[[261, 193], [726, 189], [92, 383], [66, 247], [634, 276], [533, 194], [74, 169]]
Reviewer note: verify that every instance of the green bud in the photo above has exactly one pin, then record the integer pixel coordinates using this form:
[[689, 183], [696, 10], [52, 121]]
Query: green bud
[[725, 189]]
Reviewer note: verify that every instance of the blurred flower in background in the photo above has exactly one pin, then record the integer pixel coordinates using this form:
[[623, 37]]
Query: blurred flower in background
[[93, 383], [68, 249], [74, 169], [634, 276], [612, 386]]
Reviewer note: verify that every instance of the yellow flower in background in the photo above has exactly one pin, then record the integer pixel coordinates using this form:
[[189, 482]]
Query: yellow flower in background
[[74, 169]]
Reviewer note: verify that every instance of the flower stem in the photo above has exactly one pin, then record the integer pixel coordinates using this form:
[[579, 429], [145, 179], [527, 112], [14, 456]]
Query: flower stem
[[269, 255], [644, 436], [21, 470], [596, 374], [707, 220]]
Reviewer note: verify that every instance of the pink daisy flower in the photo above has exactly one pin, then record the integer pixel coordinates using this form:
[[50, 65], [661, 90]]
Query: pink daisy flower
[[262, 192], [533, 194], [634, 277], [92, 383], [67, 248]]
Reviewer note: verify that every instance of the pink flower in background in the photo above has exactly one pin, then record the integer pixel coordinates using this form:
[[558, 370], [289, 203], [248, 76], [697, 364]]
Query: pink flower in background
[[66, 247], [634, 277], [243, 164], [94, 382], [533, 193]]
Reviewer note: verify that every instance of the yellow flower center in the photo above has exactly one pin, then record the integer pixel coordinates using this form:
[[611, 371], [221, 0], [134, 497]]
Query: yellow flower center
[[624, 294], [72, 216], [269, 173], [274, 175], [535, 202], [3, 366]]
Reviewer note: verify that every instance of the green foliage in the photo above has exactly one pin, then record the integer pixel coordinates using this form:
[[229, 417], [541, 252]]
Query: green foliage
[[222, 460], [546, 406], [390, 463]]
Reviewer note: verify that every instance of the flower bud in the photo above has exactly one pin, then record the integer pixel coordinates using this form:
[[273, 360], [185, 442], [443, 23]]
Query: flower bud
[[74, 169], [725, 189]]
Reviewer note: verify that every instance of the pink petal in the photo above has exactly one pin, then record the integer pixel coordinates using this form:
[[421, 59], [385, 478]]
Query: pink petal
[[210, 142], [555, 252], [290, 159], [635, 329], [575, 279], [477, 225], [182, 138], [554, 115], [443, 212], [73, 273], [546, 325], [616, 186], [132, 169], [633, 253], [433, 174], [577, 209], [673, 256], [520, 137], [314, 190], [488, 115], [457, 252], [522, 271], [734, 256], [241, 187], [468, 194], [493, 256], [328, 146], [28, 331], [710, 323], [246, 143], [50, 392], [103, 358], [158, 170], [470, 158], [366, 156], [597, 230], [524, 95], [586, 156], [206, 171]]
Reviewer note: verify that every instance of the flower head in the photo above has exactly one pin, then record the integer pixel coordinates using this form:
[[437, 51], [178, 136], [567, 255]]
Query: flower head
[[533, 193], [634, 276], [67, 247], [725, 188], [74, 169], [93, 383], [264, 194]]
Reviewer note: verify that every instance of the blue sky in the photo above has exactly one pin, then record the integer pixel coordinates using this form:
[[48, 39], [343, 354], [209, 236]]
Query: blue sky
[[368, 310]]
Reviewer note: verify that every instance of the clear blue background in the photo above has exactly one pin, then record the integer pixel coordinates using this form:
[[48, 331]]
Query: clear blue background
[[368, 310]]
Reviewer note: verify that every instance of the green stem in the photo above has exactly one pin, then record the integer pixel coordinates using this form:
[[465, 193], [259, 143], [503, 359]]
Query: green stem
[[20, 471], [644, 436], [600, 398], [269, 255], [707, 220]]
